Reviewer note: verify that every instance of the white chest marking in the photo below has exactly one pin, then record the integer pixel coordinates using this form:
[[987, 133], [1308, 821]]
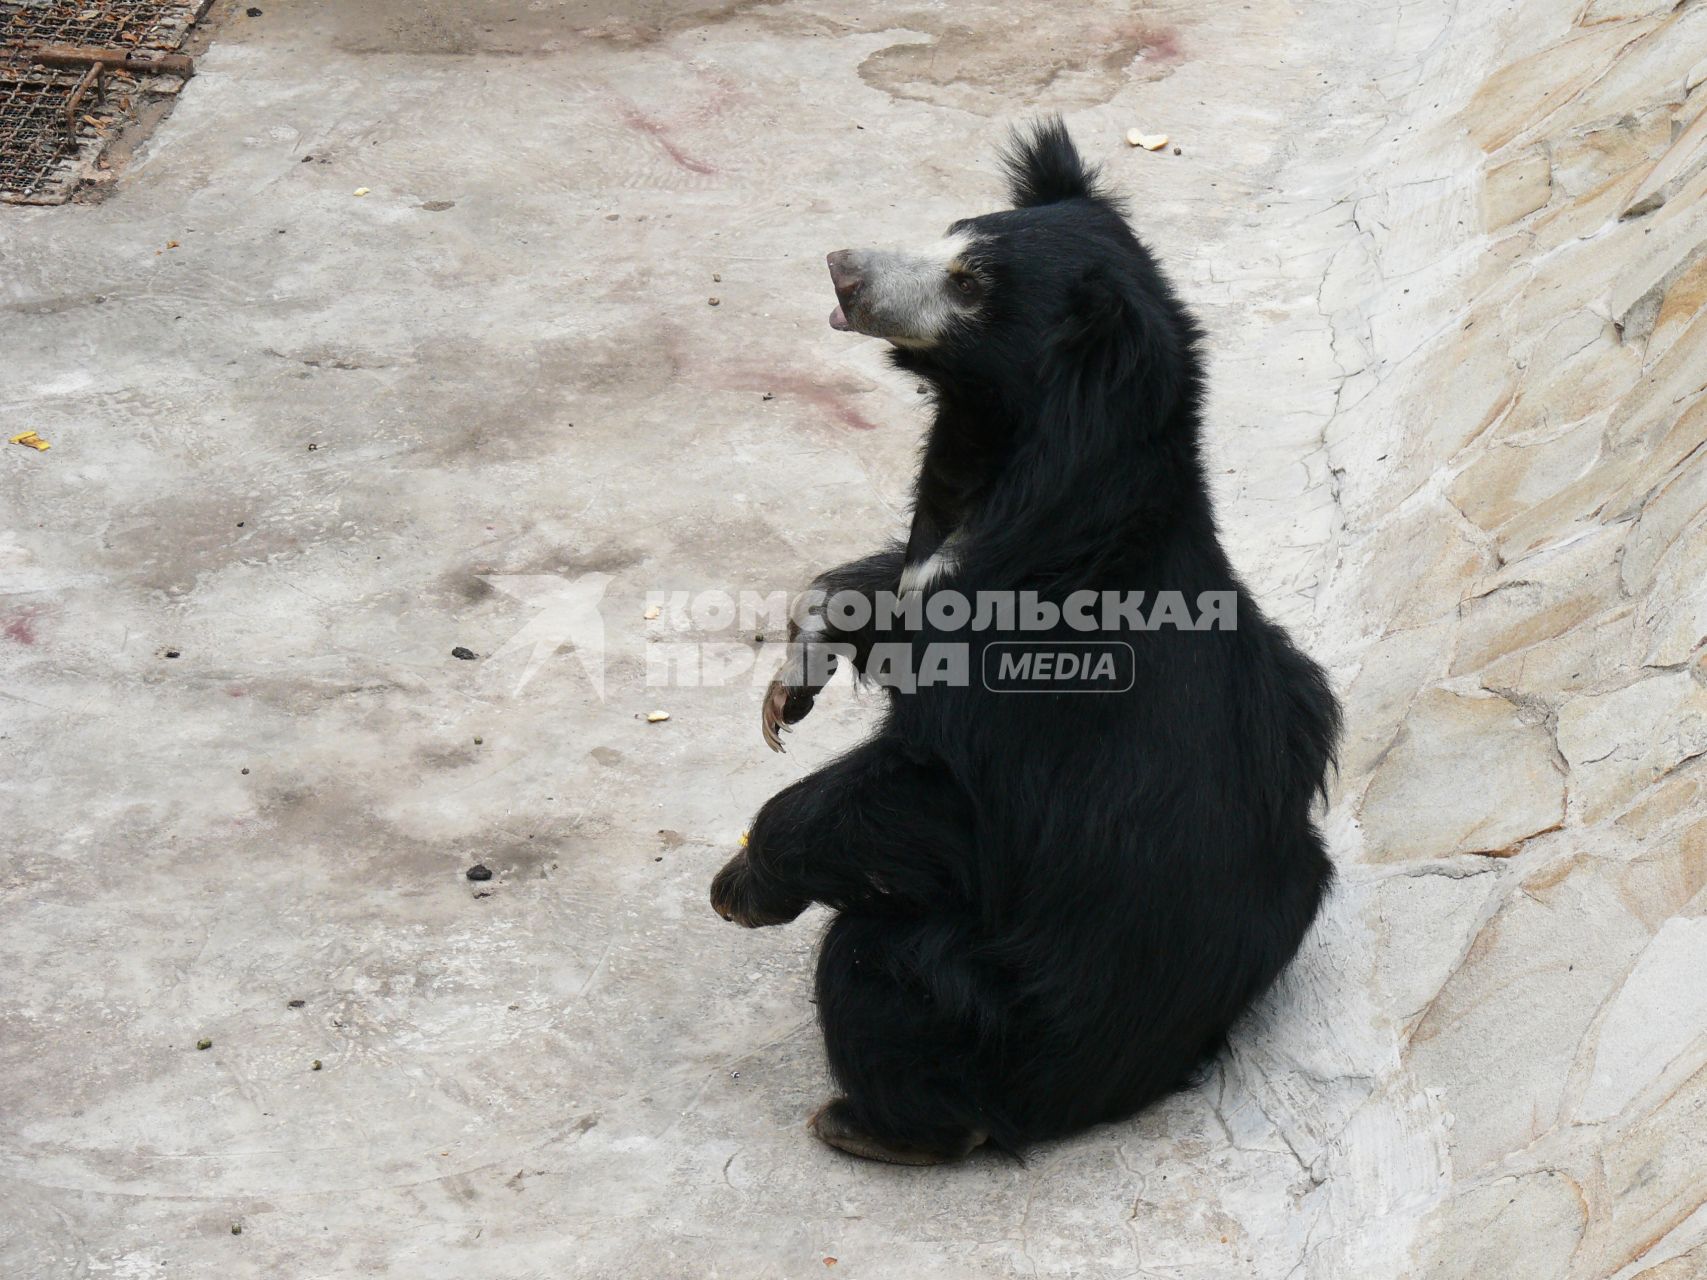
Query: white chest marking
[[941, 563]]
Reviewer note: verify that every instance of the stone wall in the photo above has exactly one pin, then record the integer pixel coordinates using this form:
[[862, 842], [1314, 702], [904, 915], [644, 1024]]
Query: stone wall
[[1518, 587]]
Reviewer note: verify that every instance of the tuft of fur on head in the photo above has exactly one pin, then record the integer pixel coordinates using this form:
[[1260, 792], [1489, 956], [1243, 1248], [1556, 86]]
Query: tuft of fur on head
[[1045, 167]]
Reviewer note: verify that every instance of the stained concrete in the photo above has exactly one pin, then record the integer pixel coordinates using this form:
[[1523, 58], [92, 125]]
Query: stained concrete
[[326, 438]]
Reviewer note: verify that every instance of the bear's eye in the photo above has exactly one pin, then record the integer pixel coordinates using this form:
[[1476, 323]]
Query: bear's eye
[[966, 285]]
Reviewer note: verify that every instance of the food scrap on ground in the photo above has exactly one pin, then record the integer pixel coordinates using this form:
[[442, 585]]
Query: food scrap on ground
[[1149, 141], [31, 439], [655, 717]]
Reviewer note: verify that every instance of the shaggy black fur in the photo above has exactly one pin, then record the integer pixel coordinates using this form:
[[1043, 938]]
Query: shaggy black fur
[[1053, 907]]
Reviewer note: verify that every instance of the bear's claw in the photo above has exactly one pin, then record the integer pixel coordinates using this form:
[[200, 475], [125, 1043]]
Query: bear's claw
[[786, 704], [770, 715]]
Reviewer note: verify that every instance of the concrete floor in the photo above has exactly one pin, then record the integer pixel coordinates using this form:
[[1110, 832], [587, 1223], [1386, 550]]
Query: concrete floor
[[326, 438]]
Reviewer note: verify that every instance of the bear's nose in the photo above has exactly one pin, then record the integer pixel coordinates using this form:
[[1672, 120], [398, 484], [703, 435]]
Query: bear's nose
[[843, 274]]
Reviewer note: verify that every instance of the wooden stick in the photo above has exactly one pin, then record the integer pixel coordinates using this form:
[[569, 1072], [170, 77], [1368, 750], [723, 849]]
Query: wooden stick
[[90, 77], [77, 55]]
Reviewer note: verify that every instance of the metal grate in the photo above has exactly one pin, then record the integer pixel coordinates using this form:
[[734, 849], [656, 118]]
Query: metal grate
[[41, 128], [70, 72], [103, 24]]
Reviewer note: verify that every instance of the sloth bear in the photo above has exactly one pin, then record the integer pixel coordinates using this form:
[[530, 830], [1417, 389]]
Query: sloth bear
[[1052, 902]]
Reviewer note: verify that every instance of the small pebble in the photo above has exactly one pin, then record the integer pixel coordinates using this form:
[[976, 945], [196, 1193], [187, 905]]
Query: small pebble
[[1176, 151], [204, 1044], [715, 302], [174, 653], [717, 279], [767, 396], [479, 741], [253, 13], [237, 1227], [312, 447], [245, 771], [479, 871], [463, 652], [296, 1004], [315, 1065]]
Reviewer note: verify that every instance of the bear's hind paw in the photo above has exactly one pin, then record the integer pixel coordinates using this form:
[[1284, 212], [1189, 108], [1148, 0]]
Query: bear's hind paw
[[833, 1124]]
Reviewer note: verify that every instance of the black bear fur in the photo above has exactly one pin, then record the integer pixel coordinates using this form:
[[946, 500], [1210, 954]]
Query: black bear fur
[[1051, 908]]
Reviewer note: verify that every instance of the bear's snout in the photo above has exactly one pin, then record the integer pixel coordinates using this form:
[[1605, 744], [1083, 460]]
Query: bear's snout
[[845, 274], [847, 280]]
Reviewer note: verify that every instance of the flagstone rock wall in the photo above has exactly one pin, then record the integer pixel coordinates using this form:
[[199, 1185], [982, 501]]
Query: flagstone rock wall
[[1518, 317]]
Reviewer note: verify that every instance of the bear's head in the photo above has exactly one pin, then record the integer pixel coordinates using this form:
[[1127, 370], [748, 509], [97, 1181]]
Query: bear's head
[[1056, 285]]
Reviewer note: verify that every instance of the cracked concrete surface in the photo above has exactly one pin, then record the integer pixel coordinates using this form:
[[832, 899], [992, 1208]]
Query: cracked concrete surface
[[1450, 257]]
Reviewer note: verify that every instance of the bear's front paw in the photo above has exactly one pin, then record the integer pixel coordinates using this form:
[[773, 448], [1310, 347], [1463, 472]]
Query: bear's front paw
[[735, 896], [787, 702]]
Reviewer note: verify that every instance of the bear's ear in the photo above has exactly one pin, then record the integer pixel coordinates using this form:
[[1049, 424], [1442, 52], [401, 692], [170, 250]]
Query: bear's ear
[[1110, 336], [1044, 166]]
